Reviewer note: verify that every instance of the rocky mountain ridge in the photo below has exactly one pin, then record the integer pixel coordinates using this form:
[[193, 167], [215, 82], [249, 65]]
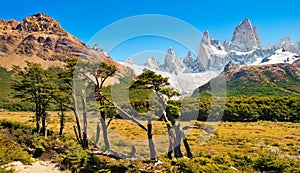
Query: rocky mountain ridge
[[40, 38], [245, 48], [262, 80]]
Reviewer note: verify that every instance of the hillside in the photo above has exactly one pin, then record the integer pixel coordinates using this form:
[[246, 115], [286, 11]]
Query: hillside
[[39, 38], [262, 80]]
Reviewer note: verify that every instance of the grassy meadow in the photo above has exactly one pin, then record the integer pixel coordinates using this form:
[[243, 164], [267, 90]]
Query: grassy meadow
[[231, 140]]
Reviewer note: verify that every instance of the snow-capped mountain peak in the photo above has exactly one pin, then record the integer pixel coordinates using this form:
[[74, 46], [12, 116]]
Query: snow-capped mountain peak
[[245, 48]]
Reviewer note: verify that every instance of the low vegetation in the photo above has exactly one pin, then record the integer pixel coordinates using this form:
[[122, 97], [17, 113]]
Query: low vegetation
[[249, 147]]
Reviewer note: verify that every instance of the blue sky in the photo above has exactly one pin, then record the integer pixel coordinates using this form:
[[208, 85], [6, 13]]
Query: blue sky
[[274, 19]]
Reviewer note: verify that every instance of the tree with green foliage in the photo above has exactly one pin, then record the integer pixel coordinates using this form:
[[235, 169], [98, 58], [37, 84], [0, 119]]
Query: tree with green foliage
[[161, 87], [34, 84], [63, 95], [69, 88]]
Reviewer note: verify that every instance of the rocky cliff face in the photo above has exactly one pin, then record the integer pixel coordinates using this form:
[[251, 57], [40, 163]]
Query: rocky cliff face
[[245, 38], [212, 54], [258, 40], [39, 38], [8, 25], [172, 64], [204, 55], [192, 66], [41, 23], [152, 63], [287, 45]]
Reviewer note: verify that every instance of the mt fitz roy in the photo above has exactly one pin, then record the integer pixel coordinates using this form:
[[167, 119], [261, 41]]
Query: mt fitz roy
[[245, 48]]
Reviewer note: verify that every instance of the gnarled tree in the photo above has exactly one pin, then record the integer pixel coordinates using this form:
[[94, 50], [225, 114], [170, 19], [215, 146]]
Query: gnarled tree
[[161, 87]]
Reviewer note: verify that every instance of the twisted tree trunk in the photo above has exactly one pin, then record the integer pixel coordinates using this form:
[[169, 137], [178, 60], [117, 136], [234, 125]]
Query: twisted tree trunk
[[85, 143], [171, 142], [107, 145], [186, 144], [153, 154], [77, 129], [97, 136], [177, 150]]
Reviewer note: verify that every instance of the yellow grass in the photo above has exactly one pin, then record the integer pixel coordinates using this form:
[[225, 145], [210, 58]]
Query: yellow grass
[[247, 138], [29, 119]]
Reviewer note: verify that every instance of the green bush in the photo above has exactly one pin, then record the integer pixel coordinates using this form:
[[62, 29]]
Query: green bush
[[270, 161], [10, 152]]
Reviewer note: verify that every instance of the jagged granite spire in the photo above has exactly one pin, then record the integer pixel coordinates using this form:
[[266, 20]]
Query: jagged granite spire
[[152, 63], [204, 51], [173, 64], [258, 41], [189, 57], [205, 39], [245, 38]]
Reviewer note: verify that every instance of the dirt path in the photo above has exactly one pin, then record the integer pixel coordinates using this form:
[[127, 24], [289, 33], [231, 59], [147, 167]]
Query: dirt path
[[37, 167]]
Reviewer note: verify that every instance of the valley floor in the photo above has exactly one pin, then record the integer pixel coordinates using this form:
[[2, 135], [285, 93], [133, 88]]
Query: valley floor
[[247, 139]]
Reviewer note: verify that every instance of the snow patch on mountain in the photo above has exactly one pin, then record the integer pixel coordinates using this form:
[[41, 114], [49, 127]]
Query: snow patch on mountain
[[280, 56], [183, 82]]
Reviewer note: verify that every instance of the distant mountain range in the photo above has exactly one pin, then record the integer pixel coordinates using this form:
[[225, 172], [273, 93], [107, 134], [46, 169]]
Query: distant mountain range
[[244, 49]]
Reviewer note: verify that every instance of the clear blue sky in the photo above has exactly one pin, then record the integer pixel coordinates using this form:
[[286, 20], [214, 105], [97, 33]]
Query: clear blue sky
[[274, 19]]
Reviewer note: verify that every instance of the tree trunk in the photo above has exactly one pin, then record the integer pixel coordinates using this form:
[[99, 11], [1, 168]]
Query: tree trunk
[[44, 124], [129, 117], [62, 120], [133, 152], [186, 144], [174, 141], [104, 131], [76, 133], [171, 142], [38, 121], [171, 119], [75, 110], [85, 122], [97, 136], [38, 117], [177, 150], [153, 154]]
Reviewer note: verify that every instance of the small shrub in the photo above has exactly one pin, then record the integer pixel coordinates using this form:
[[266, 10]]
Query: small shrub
[[10, 152], [269, 161]]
